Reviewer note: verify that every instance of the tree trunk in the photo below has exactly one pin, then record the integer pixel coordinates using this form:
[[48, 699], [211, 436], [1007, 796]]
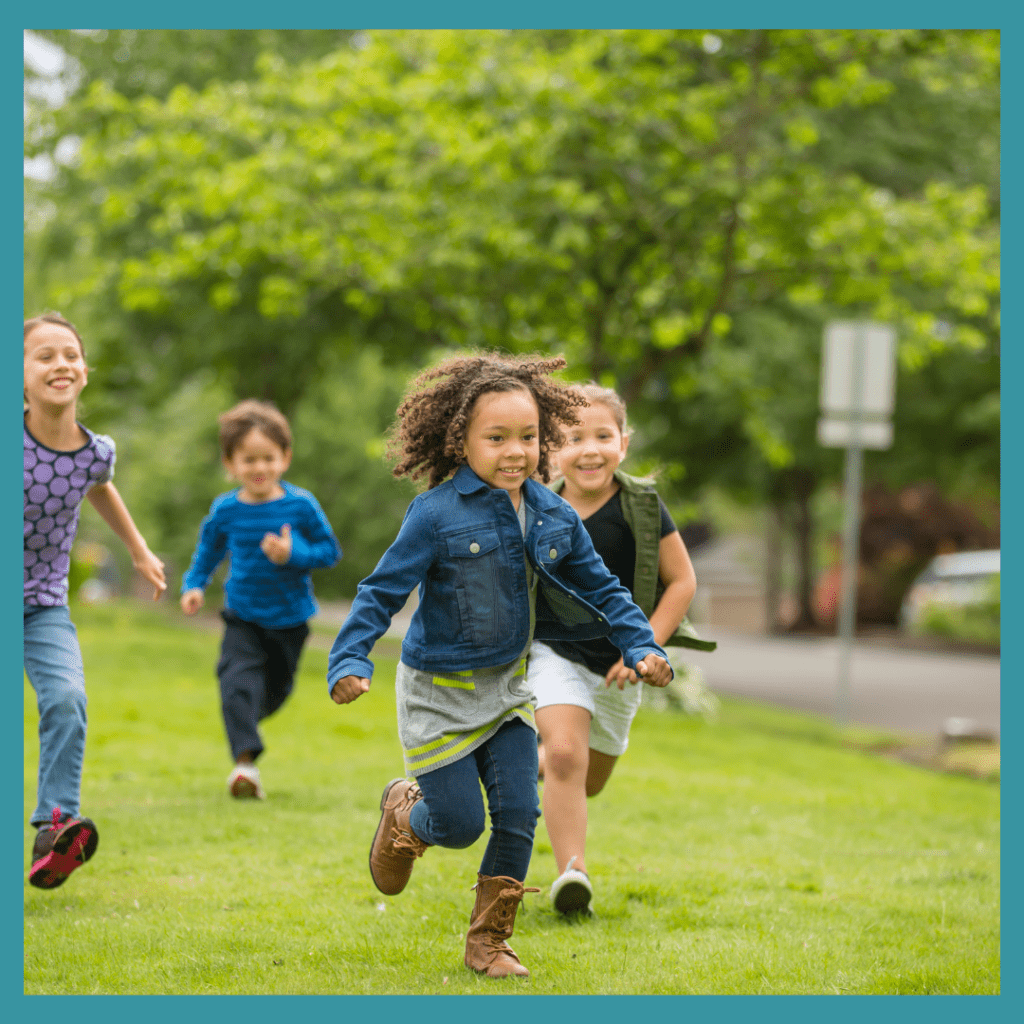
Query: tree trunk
[[804, 483], [775, 522]]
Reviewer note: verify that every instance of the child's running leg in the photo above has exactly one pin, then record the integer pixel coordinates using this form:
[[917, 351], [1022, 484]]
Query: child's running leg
[[599, 770], [284, 648], [451, 813], [442, 808], [507, 764], [53, 663], [567, 784], [565, 729], [242, 674], [508, 768], [242, 671]]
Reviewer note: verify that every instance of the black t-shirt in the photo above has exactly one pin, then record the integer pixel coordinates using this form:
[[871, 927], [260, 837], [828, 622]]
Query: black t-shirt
[[614, 542]]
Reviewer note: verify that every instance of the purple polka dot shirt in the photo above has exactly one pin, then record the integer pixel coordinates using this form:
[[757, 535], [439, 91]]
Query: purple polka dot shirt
[[55, 484]]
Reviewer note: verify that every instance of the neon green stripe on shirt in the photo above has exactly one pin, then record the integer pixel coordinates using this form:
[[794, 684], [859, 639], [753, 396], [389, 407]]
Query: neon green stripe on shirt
[[457, 684], [459, 741], [454, 742]]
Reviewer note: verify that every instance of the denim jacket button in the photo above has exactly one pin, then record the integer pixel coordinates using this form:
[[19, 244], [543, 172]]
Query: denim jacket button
[[474, 548], [553, 553]]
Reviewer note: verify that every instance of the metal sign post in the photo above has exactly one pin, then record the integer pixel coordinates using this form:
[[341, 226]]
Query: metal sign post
[[857, 391]]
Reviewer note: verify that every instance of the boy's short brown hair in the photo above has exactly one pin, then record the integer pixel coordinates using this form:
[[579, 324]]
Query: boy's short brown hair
[[251, 414]]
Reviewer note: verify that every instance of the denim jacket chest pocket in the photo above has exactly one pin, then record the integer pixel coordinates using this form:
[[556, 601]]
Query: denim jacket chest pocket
[[552, 546], [474, 555]]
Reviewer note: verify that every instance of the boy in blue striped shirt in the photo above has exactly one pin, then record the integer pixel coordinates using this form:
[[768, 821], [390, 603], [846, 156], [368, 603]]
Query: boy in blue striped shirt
[[274, 534]]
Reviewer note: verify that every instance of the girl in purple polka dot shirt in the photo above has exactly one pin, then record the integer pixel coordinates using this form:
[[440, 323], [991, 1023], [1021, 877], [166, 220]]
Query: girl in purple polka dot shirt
[[64, 463]]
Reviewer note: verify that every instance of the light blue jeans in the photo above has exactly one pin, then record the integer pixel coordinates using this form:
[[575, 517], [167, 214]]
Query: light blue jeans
[[53, 663]]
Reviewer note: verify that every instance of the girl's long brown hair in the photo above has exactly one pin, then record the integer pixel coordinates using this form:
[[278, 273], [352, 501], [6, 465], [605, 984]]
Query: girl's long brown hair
[[53, 318]]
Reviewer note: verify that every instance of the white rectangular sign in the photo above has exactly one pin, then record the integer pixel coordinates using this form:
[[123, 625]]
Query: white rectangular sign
[[840, 382], [834, 433]]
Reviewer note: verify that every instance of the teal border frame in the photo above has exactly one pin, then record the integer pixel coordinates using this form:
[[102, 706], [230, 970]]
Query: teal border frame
[[1005, 16]]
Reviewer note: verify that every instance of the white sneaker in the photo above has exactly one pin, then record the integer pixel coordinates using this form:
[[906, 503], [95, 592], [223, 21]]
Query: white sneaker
[[571, 890], [244, 783]]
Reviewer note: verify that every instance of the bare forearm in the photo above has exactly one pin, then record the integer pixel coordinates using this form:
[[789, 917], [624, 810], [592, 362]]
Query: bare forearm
[[676, 572], [112, 509], [108, 503], [674, 604]]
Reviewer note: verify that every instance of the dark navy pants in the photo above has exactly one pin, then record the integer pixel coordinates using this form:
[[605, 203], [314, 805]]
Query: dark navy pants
[[257, 672], [451, 813]]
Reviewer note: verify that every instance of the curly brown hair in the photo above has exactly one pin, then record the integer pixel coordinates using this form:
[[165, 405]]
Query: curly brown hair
[[429, 433]]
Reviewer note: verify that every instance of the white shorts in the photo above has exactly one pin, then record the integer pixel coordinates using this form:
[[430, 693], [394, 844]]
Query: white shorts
[[556, 680]]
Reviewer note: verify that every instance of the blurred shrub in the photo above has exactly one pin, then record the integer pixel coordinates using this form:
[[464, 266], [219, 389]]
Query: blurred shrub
[[339, 431], [91, 562], [77, 575], [974, 623]]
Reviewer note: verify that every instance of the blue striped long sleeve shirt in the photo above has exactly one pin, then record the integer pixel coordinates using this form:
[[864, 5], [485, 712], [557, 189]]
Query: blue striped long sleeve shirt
[[257, 590]]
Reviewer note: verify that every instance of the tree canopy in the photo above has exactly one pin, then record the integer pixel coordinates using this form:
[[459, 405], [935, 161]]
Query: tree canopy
[[678, 212]]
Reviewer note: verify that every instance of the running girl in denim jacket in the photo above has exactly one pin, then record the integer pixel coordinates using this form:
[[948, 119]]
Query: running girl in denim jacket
[[64, 464], [498, 558]]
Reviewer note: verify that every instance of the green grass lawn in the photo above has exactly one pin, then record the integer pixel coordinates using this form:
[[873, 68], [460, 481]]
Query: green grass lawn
[[762, 853]]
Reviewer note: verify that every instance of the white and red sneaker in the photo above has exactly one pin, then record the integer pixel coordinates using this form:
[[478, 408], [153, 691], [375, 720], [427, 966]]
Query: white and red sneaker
[[244, 783]]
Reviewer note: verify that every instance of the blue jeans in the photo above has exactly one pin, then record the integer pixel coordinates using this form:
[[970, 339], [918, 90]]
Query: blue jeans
[[451, 813], [53, 663]]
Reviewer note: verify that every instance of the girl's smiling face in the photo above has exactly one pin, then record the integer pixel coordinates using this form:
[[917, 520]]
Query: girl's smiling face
[[502, 444], [55, 370], [592, 452]]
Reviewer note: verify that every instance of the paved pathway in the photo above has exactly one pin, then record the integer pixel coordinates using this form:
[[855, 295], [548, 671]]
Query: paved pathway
[[890, 687]]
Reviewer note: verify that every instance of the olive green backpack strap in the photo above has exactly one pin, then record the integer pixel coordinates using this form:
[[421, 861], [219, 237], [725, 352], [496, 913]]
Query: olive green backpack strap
[[686, 636], [642, 512], [645, 570], [639, 502]]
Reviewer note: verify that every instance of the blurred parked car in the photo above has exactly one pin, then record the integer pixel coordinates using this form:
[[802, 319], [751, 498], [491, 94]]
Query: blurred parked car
[[956, 581]]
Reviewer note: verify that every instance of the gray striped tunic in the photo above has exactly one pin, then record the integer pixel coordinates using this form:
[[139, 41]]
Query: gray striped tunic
[[444, 716]]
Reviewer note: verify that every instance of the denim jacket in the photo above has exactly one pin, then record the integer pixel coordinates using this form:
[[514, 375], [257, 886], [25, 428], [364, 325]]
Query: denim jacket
[[462, 545]]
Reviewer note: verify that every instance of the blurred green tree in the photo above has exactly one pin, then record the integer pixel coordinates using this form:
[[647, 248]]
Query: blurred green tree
[[170, 468], [678, 211]]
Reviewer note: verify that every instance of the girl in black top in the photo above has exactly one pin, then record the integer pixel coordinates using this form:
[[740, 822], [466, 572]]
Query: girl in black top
[[584, 706]]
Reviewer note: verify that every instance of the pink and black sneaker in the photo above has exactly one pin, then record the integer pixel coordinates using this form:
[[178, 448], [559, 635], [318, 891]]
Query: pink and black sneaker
[[60, 848]]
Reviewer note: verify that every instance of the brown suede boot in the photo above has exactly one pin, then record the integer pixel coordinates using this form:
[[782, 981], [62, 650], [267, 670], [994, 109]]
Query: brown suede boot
[[395, 846], [494, 914]]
